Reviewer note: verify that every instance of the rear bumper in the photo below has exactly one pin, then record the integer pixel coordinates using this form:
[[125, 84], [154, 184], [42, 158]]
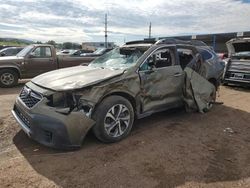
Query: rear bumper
[[230, 78], [50, 128], [236, 82]]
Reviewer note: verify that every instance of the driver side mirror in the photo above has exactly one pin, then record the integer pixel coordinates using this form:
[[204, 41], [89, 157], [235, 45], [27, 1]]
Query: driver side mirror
[[3, 54]]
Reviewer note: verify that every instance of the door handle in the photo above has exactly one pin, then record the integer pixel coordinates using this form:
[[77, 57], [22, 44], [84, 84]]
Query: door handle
[[177, 74], [50, 59]]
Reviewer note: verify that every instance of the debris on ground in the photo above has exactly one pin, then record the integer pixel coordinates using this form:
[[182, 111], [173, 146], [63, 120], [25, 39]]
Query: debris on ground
[[228, 130]]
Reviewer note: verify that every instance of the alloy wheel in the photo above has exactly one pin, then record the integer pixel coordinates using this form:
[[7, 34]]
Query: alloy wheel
[[7, 78], [117, 120]]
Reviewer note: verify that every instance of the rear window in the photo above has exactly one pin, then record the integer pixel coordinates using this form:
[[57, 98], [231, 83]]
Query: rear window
[[242, 47]]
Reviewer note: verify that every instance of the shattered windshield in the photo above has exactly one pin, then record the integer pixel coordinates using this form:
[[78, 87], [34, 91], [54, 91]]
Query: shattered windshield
[[119, 58], [23, 52]]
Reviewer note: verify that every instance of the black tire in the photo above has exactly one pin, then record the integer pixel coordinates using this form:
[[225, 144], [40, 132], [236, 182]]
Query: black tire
[[101, 117], [224, 83], [8, 78], [212, 100]]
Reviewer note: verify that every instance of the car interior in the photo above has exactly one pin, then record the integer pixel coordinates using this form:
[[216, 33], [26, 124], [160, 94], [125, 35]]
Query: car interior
[[185, 57]]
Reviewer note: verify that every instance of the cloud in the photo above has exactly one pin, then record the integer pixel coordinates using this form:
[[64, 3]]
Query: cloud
[[80, 21]]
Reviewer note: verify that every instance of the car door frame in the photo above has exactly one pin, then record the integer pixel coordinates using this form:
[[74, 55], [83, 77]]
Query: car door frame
[[32, 63], [172, 99]]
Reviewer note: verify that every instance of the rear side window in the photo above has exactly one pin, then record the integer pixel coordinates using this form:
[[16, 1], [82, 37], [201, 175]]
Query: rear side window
[[205, 54], [47, 52], [185, 56]]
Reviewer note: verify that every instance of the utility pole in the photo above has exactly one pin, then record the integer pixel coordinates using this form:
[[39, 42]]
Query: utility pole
[[149, 33], [106, 32]]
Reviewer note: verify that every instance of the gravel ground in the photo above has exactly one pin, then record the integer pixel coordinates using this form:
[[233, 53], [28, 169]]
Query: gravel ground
[[168, 149]]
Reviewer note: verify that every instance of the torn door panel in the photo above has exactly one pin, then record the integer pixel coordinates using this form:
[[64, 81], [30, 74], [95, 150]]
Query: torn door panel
[[198, 92]]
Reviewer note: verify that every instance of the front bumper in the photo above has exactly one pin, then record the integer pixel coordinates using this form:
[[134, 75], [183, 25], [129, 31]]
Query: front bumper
[[50, 128]]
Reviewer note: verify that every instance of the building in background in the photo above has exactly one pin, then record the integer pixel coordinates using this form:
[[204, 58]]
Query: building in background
[[217, 40], [95, 45]]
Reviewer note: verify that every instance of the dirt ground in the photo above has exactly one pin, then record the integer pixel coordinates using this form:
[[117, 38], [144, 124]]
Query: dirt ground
[[168, 149]]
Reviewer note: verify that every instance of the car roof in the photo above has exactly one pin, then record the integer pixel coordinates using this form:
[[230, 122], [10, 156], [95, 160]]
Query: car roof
[[42, 45], [168, 42], [137, 45]]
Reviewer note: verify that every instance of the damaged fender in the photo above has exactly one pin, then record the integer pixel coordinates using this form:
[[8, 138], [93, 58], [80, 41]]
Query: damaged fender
[[51, 128]]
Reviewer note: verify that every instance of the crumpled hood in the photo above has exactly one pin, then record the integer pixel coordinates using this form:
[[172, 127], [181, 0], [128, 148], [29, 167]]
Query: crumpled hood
[[74, 77]]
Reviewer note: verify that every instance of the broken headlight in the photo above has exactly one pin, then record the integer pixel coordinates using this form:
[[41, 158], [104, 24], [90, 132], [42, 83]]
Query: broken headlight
[[61, 100], [85, 107], [68, 102]]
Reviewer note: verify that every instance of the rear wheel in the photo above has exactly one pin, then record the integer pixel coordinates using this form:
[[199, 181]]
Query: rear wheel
[[114, 118], [212, 100], [212, 97], [8, 78]]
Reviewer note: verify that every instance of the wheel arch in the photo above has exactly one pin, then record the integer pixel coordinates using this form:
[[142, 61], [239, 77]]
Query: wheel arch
[[214, 82], [125, 95], [12, 68]]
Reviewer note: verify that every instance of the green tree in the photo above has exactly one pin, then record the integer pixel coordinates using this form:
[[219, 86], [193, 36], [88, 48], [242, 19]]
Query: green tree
[[51, 42]]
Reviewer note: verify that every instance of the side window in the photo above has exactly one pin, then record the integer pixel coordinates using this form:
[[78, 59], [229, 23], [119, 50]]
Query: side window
[[185, 56], [7, 52], [13, 52], [47, 52], [163, 58], [37, 52], [205, 54], [42, 52], [159, 59]]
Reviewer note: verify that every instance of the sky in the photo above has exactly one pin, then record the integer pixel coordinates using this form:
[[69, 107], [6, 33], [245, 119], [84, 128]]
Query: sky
[[83, 20]]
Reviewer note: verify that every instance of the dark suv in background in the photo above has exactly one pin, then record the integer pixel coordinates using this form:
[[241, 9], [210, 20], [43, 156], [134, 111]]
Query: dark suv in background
[[10, 51]]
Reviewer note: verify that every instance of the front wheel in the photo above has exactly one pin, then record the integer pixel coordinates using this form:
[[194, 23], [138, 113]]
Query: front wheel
[[8, 78], [114, 118]]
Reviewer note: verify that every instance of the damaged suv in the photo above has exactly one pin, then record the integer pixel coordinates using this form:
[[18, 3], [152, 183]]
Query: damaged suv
[[58, 108], [238, 65]]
